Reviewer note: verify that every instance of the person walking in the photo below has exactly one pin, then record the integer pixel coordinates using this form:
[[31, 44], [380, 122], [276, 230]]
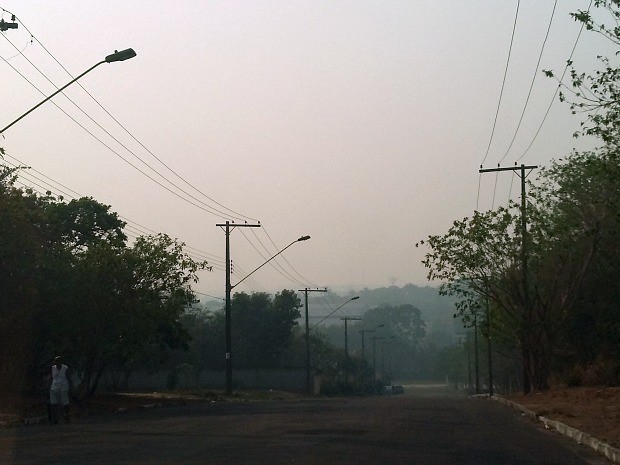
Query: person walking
[[59, 390]]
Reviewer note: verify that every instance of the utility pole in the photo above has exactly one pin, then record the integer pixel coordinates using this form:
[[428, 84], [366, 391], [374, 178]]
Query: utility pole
[[383, 343], [524, 275], [346, 345], [467, 346], [476, 365], [309, 389], [228, 227], [364, 331], [374, 362], [488, 314]]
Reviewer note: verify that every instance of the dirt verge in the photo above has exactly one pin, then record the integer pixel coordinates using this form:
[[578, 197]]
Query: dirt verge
[[593, 410]]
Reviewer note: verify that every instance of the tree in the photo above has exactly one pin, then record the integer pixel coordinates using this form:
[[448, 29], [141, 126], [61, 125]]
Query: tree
[[72, 286], [83, 222], [585, 194], [597, 95], [479, 258], [134, 299], [262, 328], [21, 253]]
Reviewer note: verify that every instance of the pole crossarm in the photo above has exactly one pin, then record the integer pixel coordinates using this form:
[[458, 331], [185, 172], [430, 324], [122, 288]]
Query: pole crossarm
[[507, 168]]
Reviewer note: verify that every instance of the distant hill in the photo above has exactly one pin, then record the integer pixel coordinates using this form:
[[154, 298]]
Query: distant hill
[[437, 311]]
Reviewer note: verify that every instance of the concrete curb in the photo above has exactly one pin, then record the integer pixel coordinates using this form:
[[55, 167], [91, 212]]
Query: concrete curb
[[580, 437]]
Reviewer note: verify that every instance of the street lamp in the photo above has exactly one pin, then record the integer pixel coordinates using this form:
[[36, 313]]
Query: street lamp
[[229, 288], [334, 311], [116, 56]]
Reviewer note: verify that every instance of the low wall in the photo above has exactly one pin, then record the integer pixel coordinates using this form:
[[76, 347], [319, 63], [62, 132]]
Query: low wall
[[278, 379]]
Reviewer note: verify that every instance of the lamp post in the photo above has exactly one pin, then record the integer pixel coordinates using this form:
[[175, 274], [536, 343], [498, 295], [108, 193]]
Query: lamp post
[[116, 56], [229, 288]]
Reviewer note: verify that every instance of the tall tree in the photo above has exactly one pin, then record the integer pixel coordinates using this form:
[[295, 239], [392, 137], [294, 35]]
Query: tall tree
[[262, 328], [21, 254]]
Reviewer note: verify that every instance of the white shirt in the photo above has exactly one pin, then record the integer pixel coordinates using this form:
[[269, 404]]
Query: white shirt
[[59, 378]]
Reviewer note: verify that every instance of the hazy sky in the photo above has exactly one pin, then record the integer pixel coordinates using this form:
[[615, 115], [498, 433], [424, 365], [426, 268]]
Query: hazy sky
[[360, 123]]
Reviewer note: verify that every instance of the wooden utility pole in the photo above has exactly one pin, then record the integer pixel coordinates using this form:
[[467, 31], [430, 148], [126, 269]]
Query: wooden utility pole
[[488, 315], [521, 172], [228, 227], [346, 345], [309, 388]]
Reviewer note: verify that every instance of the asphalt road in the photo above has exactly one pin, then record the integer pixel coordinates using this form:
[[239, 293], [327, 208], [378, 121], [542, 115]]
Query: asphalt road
[[416, 428]]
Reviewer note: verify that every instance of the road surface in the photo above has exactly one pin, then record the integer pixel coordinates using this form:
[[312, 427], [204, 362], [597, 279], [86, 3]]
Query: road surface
[[415, 428]]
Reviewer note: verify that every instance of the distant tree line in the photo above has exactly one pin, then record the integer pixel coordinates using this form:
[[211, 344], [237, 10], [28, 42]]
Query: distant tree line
[[562, 320]]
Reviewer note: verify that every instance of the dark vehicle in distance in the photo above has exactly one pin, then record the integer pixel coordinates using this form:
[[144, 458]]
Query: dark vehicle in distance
[[393, 390], [397, 389]]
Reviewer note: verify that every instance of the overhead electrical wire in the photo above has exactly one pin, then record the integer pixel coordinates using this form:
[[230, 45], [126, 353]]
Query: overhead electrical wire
[[208, 208], [499, 103], [50, 185], [527, 102], [46, 186], [529, 94], [238, 215], [213, 210], [553, 99], [304, 280], [276, 263], [276, 266], [201, 205]]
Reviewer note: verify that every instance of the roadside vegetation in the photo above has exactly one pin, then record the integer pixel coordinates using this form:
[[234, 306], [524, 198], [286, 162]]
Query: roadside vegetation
[[555, 310]]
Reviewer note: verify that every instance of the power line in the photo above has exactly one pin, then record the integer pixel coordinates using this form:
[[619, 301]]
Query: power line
[[206, 208], [527, 100], [51, 185], [288, 263], [553, 99], [514, 27], [209, 209], [284, 272], [138, 228]]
